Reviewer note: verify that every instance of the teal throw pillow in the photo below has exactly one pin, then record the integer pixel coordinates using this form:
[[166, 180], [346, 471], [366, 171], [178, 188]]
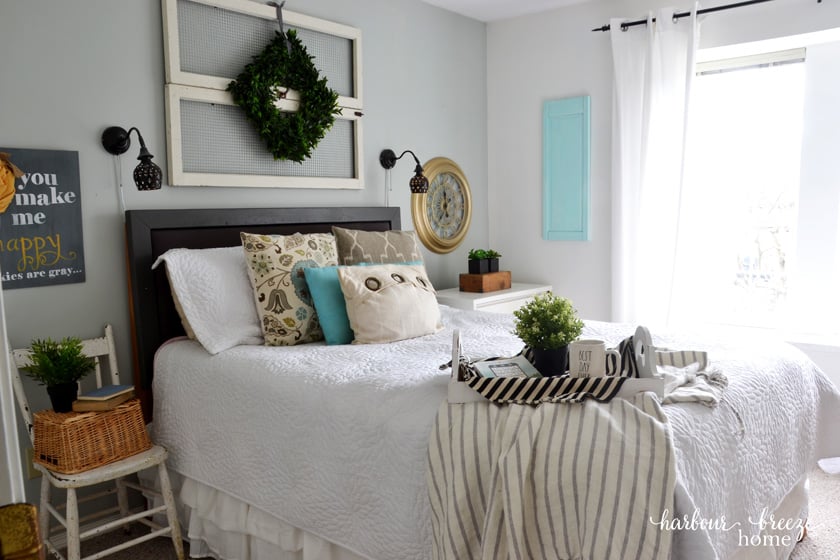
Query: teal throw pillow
[[329, 304]]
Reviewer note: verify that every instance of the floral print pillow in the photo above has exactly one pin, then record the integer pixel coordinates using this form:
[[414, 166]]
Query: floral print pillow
[[275, 267]]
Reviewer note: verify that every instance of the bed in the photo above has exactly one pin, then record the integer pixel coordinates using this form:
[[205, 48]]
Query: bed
[[316, 451]]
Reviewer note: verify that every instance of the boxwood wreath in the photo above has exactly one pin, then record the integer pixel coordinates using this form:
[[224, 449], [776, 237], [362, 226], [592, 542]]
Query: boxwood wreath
[[288, 135]]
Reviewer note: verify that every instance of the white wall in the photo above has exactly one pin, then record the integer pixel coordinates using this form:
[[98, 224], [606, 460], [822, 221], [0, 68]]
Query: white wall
[[554, 55], [70, 69], [814, 289], [826, 357]]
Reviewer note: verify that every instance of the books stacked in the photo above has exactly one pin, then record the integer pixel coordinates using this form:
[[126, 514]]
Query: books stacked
[[104, 398]]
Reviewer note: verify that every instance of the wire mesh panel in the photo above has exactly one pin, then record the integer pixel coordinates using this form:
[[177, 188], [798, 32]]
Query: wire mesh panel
[[207, 44], [217, 42], [217, 138]]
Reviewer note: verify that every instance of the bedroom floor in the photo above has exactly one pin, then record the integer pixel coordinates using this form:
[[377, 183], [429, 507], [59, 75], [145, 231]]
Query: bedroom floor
[[822, 542]]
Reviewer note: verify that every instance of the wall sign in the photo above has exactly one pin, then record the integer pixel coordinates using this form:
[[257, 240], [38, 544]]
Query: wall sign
[[41, 231]]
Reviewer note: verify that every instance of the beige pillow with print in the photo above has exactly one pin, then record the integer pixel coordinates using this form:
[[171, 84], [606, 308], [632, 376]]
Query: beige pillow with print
[[275, 267], [391, 302], [357, 246]]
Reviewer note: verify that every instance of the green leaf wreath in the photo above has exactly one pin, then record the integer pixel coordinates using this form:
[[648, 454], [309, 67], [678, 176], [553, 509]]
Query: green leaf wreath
[[288, 135]]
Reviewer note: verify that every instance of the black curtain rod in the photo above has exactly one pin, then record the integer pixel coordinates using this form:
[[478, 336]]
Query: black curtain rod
[[679, 15]]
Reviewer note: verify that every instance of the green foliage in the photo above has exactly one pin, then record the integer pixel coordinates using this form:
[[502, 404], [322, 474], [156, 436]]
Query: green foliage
[[547, 322], [58, 362], [478, 254], [288, 135]]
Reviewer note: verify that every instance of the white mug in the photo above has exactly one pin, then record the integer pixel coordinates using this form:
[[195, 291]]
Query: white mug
[[588, 358]]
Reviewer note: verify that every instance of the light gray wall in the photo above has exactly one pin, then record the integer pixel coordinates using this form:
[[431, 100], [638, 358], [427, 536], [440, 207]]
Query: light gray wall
[[554, 55], [69, 69]]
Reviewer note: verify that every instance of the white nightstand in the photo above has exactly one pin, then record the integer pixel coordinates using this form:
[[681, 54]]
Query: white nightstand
[[502, 301]]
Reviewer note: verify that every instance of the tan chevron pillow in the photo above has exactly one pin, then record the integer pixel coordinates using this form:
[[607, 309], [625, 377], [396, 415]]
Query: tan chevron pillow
[[382, 247]]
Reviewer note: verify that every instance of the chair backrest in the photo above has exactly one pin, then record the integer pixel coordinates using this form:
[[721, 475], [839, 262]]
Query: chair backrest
[[96, 348]]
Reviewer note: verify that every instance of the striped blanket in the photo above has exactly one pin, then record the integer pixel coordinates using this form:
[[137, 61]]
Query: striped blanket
[[576, 481]]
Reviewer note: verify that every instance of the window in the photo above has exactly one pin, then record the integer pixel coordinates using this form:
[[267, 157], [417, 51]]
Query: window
[[757, 244]]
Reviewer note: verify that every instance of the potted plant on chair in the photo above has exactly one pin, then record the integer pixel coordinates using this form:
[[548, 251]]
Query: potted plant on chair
[[59, 365], [547, 324]]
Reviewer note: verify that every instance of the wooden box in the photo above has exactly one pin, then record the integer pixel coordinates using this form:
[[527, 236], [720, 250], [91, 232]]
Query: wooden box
[[489, 282], [73, 442]]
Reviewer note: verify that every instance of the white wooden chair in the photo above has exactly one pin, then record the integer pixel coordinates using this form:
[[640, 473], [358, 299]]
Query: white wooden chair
[[99, 348]]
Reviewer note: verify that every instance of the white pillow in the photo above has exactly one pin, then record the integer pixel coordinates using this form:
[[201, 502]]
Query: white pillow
[[215, 296], [389, 302]]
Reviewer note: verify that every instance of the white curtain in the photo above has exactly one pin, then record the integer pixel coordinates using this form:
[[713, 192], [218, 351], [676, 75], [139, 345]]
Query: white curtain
[[653, 68]]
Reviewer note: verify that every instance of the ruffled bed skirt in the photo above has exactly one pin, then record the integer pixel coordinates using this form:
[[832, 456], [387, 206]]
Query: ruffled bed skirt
[[220, 526]]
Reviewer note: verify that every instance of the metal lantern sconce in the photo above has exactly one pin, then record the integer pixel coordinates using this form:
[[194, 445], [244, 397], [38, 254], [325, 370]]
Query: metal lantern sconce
[[418, 184], [147, 175]]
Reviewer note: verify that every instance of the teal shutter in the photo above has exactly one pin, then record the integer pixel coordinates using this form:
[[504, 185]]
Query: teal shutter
[[566, 169]]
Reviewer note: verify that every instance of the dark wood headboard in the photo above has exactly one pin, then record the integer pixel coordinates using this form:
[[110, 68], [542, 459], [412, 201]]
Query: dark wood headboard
[[150, 233]]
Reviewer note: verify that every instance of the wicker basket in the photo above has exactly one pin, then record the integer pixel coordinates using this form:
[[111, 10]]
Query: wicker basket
[[74, 442]]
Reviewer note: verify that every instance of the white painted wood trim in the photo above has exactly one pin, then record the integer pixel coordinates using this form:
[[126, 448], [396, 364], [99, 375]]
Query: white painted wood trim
[[177, 176], [210, 95], [198, 87], [518, 291], [171, 46], [221, 84], [11, 479]]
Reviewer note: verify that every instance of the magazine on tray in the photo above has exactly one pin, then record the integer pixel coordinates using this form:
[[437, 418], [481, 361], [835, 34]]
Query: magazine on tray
[[516, 366]]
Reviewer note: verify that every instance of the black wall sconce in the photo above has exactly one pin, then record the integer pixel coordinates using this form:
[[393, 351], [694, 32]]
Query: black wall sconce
[[147, 175], [418, 184]]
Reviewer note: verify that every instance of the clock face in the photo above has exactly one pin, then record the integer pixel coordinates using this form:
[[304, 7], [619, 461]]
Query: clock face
[[442, 215], [445, 205]]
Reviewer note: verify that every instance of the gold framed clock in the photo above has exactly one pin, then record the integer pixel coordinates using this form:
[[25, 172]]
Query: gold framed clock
[[442, 216]]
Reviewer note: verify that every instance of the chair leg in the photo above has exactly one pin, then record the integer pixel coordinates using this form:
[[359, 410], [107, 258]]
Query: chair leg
[[171, 512], [72, 513], [122, 502], [43, 512]]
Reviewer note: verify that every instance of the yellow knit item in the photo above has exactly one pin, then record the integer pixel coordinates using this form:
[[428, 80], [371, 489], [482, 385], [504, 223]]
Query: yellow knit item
[[8, 172]]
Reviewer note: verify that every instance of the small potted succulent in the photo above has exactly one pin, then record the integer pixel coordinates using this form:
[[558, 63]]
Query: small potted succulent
[[493, 259], [477, 262], [547, 324], [481, 261], [59, 365]]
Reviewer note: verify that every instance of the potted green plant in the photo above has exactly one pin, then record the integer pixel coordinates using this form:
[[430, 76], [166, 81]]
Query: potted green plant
[[481, 261], [547, 324], [59, 365], [493, 260], [477, 262]]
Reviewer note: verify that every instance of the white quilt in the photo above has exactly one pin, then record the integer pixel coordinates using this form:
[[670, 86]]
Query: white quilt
[[333, 440]]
